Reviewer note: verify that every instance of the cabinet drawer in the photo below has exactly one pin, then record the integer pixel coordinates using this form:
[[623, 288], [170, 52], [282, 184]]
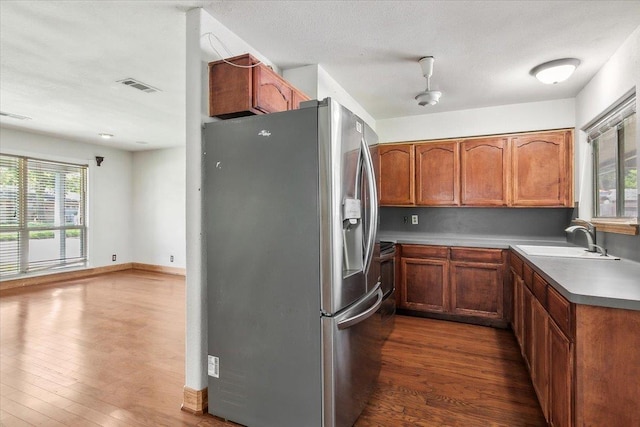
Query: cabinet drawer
[[493, 256], [421, 251], [561, 311], [527, 276], [516, 264], [540, 289]]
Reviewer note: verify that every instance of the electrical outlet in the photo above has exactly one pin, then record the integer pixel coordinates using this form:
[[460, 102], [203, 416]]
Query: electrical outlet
[[405, 219], [171, 258], [113, 257], [414, 219]]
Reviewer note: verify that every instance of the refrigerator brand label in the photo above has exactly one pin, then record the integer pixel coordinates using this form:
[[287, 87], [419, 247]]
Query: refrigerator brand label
[[214, 366], [264, 133]]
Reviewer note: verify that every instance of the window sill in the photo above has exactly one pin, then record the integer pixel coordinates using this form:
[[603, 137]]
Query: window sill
[[616, 225]]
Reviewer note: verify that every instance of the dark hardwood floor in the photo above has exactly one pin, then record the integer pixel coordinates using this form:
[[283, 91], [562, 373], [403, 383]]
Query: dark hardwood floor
[[109, 351], [440, 373]]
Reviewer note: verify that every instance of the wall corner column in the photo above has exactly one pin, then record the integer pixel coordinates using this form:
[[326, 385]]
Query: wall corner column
[[195, 292]]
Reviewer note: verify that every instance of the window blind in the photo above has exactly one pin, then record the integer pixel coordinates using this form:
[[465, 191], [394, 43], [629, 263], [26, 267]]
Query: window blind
[[11, 215], [43, 218], [611, 119]]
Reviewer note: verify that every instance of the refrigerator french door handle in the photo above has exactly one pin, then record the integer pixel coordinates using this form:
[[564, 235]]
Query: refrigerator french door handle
[[361, 317], [373, 205], [356, 191]]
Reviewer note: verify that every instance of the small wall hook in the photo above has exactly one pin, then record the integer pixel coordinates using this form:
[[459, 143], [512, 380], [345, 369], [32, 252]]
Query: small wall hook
[[99, 160]]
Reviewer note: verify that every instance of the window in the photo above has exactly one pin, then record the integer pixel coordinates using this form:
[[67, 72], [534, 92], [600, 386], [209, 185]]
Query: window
[[615, 163], [42, 215]]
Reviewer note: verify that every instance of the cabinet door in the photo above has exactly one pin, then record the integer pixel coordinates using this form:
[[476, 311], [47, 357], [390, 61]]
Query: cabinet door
[[424, 283], [484, 172], [560, 378], [396, 174], [230, 87], [438, 174], [271, 93], [540, 355], [542, 169], [476, 289], [518, 295], [297, 98], [527, 326]]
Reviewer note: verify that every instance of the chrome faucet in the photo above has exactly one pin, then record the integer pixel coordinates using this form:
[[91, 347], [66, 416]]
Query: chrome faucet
[[590, 231]]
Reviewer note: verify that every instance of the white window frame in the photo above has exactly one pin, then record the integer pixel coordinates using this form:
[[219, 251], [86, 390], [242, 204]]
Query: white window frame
[[24, 229], [612, 118]]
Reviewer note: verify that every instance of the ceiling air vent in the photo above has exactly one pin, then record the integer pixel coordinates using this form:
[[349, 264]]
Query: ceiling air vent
[[139, 85], [14, 116]]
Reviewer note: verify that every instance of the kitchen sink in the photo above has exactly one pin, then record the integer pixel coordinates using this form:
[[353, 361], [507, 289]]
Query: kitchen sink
[[563, 252]]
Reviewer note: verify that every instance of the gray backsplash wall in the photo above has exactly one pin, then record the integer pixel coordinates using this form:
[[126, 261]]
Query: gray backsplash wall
[[535, 222], [620, 245]]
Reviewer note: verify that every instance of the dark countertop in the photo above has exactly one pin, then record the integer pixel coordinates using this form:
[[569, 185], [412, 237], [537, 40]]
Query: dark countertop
[[604, 283]]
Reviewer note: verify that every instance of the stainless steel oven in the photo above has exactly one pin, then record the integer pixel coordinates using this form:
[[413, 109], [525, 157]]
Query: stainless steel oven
[[387, 279]]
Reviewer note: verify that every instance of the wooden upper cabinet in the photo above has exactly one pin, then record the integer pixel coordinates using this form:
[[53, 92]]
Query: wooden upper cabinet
[[252, 88], [484, 165], [396, 174], [542, 168], [297, 98], [271, 93], [437, 173], [529, 169]]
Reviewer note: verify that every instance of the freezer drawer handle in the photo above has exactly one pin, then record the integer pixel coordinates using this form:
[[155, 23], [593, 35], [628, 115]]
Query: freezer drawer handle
[[347, 323]]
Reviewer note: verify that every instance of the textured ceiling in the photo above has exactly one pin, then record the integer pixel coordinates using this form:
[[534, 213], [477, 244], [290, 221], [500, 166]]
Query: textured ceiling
[[60, 60], [483, 50]]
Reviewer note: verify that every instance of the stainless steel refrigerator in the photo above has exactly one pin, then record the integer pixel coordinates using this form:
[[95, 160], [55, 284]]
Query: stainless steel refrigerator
[[290, 220]]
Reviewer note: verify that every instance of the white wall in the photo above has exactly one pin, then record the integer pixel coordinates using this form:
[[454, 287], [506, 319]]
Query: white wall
[[619, 76], [109, 203], [480, 121], [158, 211], [198, 54], [318, 84]]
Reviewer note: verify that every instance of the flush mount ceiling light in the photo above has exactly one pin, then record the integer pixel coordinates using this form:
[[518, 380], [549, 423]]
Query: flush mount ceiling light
[[105, 135], [428, 97], [556, 71]]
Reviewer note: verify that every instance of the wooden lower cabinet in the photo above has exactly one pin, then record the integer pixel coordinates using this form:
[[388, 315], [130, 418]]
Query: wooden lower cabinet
[[517, 317], [607, 366], [540, 354], [527, 326], [560, 378], [424, 283], [464, 283], [584, 360], [476, 289], [545, 348]]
